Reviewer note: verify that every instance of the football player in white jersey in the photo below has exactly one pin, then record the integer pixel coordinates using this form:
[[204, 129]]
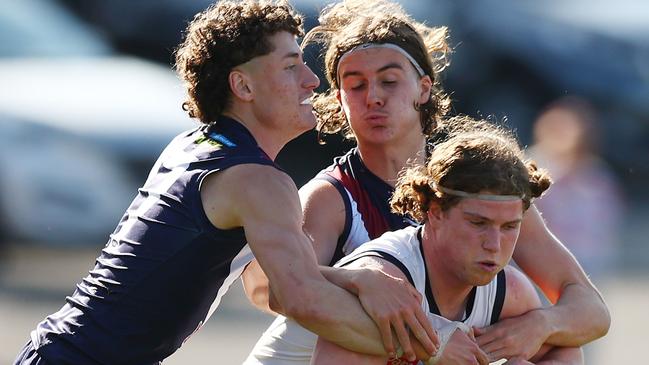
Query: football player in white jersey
[[471, 196]]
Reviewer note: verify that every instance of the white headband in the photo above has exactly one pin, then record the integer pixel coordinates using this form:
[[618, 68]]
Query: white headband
[[464, 194], [392, 46]]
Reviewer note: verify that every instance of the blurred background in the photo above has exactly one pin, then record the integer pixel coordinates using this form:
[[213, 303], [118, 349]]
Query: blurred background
[[88, 99]]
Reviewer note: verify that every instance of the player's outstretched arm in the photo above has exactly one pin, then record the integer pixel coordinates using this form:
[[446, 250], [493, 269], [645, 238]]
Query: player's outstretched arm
[[268, 209]]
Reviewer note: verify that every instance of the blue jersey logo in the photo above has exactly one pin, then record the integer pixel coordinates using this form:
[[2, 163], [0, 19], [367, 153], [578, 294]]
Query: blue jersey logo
[[223, 139]]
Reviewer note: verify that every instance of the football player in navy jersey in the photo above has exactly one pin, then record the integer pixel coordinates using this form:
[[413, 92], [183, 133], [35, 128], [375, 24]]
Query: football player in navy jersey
[[383, 68], [213, 199], [471, 196]]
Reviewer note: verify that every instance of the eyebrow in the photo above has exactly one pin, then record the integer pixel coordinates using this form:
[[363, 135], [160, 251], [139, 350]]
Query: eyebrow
[[292, 55], [476, 215], [384, 68]]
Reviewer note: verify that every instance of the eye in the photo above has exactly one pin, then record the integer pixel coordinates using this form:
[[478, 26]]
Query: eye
[[477, 223], [357, 86], [389, 82], [510, 227], [290, 67]]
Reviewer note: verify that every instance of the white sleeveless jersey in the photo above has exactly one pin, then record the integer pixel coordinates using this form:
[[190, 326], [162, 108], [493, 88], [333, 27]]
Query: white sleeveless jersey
[[285, 342], [403, 249]]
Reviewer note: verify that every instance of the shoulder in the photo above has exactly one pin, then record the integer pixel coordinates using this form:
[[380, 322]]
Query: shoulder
[[323, 206], [320, 192], [245, 191], [520, 296], [325, 216], [249, 179], [402, 243], [399, 248]]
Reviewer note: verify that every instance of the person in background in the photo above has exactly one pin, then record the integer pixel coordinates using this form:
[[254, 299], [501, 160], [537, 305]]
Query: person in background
[[586, 190]]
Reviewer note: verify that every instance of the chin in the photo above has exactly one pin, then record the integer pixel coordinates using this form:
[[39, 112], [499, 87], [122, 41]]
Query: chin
[[309, 122], [481, 280]]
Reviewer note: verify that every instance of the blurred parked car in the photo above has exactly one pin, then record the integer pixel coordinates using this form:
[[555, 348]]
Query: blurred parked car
[[79, 125]]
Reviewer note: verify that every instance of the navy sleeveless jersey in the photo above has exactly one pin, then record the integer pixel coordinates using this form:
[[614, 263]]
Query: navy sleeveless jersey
[[365, 195], [165, 267]]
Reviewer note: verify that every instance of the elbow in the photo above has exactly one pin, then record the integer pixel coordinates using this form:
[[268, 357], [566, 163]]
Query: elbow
[[273, 304], [256, 288], [605, 321]]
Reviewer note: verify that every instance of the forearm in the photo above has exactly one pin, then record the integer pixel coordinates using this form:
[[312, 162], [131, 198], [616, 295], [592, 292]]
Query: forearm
[[337, 316], [579, 316], [562, 356]]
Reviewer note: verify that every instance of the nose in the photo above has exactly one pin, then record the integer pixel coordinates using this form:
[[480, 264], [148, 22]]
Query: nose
[[491, 239], [374, 96], [311, 80]]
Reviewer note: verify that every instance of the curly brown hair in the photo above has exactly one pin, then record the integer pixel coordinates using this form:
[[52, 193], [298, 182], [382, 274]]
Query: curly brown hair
[[351, 23], [485, 159], [225, 35]]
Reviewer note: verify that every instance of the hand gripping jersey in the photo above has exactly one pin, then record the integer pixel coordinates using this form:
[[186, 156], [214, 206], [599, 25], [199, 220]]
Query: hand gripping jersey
[[165, 268], [403, 248], [367, 216]]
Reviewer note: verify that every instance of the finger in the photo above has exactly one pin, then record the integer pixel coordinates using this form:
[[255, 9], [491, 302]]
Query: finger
[[416, 294], [428, 331], [404, 339], [499, 354], [482, 357], [486, 335], [386, 336], [479, 331], [491, 348], [471, 335]]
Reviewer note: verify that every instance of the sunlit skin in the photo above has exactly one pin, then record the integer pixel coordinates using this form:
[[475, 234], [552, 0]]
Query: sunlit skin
[[277, 87], [483, 236], [378, 91]]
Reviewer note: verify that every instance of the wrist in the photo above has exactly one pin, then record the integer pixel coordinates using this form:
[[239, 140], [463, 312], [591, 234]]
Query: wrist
[[546, 320], [355, 280]]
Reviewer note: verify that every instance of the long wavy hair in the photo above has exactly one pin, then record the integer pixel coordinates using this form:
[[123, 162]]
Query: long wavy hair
[[350, 23]]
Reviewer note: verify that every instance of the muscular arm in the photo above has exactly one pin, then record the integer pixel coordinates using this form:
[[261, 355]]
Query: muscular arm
[[324, 220], [269, 211], [579, 314]]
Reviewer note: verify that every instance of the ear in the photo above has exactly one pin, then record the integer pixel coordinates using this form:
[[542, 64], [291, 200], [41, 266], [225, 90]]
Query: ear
[[338, 96], [425, 87], [240, 85], [434, 215]]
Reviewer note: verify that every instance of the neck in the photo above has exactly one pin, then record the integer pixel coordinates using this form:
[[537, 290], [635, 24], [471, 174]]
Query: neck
[[450, 292], [387, 161], [268, 138]]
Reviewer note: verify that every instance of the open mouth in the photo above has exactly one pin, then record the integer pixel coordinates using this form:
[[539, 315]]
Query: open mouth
[[488, 265]]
